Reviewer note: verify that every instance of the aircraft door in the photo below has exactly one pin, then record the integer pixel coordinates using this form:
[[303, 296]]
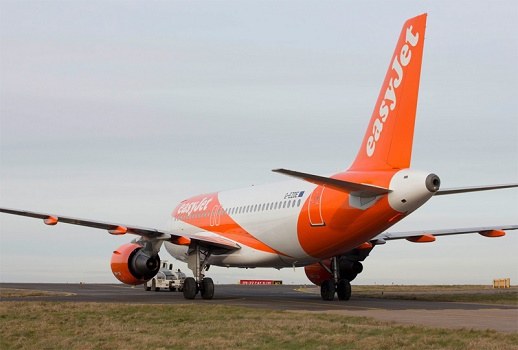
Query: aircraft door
[[315, 207]]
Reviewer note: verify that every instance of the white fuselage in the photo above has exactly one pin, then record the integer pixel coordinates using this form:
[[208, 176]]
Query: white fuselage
[[280, 225]]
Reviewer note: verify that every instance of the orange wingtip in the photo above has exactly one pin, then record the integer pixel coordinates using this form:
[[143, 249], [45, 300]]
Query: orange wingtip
[[492, 233], [51, 220], [421, 239], [119, 230]]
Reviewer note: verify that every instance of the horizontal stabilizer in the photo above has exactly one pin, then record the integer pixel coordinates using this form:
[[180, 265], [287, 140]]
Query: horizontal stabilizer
[[356, 189], [473, 189]]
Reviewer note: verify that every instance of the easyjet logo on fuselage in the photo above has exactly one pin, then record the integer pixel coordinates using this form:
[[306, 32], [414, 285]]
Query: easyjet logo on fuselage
[[190, 207], [389, 100]]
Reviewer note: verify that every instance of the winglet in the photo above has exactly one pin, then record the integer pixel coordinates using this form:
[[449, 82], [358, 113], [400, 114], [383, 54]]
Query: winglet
[[387, 144]]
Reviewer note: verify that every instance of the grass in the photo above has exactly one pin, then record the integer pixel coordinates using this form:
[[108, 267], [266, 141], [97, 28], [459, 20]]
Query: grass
[[457, 293], [24, 293], [52, 325]]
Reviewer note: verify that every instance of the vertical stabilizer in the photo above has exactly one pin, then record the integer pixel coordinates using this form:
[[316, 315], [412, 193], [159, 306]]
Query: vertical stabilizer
[[387, 144]]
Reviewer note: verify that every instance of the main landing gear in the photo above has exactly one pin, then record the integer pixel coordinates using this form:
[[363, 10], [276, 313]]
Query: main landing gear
[[197, 262], [342, 288], [191, 288], [338, 285]]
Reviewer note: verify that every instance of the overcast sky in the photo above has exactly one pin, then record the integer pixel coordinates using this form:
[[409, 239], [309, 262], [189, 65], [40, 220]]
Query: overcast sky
[[118, 110]]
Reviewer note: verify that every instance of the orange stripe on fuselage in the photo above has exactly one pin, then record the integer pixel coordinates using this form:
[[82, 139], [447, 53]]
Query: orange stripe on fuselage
[[205, 212], [346, 227]]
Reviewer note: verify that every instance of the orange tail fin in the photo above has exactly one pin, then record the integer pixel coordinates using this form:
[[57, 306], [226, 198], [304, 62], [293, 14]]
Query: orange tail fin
[[388, 141]]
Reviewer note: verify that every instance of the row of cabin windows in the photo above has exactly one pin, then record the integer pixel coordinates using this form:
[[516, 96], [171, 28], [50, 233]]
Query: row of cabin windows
[[247, 209]]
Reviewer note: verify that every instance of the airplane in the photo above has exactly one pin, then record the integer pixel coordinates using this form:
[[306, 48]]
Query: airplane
[[326, 224]]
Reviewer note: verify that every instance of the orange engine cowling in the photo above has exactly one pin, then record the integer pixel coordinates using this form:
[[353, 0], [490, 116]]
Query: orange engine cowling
[[347, 269], [131, 265], [317, 274]]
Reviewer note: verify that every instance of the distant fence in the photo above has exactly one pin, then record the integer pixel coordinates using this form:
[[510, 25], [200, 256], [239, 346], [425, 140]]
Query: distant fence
[[260, 282], [502, 283]]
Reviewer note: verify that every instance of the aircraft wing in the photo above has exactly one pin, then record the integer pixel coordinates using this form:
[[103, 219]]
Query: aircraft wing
[[121, 229], [429, 235]]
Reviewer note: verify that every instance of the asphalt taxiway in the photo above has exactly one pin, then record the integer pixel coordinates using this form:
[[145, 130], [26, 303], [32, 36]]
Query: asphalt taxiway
[[502, 318]]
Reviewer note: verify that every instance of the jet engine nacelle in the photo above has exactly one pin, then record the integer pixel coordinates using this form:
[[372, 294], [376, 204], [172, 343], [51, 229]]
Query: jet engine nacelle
[[131, 265], [317, 274], [347, 269]]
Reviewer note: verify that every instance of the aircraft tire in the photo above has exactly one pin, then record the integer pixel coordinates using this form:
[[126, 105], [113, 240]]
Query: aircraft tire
[[343, 290], [207, 288], [189, 288], [327, 290]]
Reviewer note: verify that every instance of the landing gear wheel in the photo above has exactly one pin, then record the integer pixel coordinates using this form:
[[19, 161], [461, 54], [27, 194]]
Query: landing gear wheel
[[327, 290], [343, 290], [207, 288], [190, 289], [146, 288]]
